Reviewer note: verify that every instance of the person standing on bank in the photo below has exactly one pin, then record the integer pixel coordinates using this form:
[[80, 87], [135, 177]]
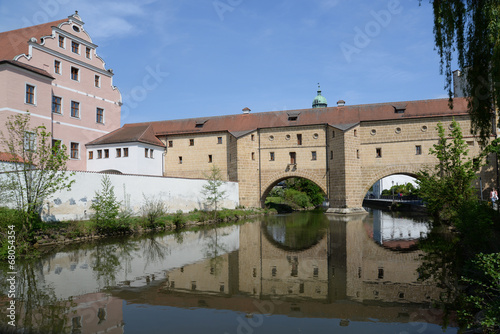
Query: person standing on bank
[[493, 196]]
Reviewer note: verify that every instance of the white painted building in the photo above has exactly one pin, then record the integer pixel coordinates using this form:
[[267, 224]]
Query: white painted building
[[128, 150]]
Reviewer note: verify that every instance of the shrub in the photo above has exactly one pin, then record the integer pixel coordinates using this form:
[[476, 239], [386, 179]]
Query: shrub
[[178, 220], [152, 209], [297, 197]]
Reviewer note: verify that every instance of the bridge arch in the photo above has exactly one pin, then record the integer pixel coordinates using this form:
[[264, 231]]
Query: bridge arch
[[369, 180], [276, 178]]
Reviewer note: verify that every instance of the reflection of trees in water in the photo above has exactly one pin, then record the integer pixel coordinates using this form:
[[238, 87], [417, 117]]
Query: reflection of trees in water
[[38, 310], [296, 231], [153, 249], [107, 259], [213, 250]]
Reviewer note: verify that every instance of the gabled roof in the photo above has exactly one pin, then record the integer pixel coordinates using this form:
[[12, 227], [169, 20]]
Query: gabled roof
[[27, 67], [142, 133], [340, 117], [15, 42]]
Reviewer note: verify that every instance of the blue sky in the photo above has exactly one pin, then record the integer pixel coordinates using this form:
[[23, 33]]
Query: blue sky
[[215, 57]]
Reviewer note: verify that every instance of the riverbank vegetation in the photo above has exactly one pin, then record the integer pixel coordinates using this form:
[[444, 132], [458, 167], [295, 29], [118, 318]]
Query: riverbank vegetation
[[78, 230], [462, 250], [295, 194]]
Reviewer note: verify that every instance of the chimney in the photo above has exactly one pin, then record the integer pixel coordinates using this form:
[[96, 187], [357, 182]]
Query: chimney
[[340, 103], [246, 110]]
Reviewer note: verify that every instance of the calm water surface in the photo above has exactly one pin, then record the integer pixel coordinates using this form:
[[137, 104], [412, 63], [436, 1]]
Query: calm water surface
[[297, 273]]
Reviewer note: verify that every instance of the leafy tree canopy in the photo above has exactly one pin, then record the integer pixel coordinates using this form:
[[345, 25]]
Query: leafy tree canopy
[[469, 30]]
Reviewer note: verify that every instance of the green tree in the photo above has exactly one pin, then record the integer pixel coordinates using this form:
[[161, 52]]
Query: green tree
[[448, 185], [470, 31], [37, 169], [212, 189], [106, 207]]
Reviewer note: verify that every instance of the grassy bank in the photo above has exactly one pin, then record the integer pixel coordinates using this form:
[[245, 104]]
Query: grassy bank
[[63, 232]]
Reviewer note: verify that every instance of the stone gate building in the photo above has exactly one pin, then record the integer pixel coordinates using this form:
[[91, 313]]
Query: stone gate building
[[343, 149]]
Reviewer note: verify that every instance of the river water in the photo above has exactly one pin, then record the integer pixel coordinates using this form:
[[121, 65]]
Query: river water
[[298, 273]]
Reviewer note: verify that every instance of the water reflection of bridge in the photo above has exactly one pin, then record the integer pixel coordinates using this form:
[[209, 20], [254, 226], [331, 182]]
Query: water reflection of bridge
[[345, 265], [343, 273]]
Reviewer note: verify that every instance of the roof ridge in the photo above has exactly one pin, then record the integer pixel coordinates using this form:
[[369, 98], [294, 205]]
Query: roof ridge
[[35, 26]]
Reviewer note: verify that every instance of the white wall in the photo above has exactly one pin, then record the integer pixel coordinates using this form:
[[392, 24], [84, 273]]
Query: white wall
[[135, 163], [178, 194]]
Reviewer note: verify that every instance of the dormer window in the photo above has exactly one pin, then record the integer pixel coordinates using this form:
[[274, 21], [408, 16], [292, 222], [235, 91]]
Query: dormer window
[[199, 124], [293, 116], [399, 108]]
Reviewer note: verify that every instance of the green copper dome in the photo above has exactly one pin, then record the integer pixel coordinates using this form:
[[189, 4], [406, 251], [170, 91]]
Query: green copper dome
[[319, 101]]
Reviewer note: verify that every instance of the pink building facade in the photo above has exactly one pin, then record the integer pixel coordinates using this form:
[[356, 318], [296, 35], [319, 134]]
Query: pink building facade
[[53, 71]]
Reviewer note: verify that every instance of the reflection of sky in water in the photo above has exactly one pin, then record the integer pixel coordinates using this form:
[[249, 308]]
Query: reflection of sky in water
[[278, 232], [389, 228]]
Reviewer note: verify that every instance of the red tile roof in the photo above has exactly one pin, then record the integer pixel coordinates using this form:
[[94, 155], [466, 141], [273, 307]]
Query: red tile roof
[[8, 157], [334, 116], [15, 42], [134, 133]]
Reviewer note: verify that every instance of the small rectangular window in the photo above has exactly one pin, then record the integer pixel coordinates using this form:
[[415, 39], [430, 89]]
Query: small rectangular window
[[274, 271], [91, 155], [315, 272], [357, 154], [99, 154], [209, 158], [271, 156], [418, 149], [30, 94], [252, 137], [97, 81], [293, 158], [355, 133], [74, 150], [191, 142], [253, 155], [87, 52], [99, 115], [118, 152], [57, 66], [331, 155], [125, 152], [333, 134], [56, 104], [61, 42], [145, 152], [170, 143], [180, 160], [75, 73], [151, 153], [299, 139], [75, 47], [380, 273], [29, 141], [106, 153], [378, 152], [219, 140], [313, 155], [75, 109]]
